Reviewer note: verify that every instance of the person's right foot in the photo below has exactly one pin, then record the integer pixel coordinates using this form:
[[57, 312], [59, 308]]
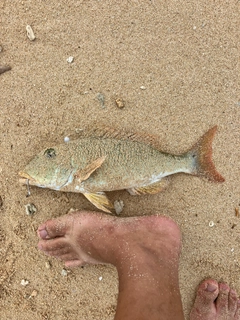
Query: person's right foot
[[145, 251], [215, 301]]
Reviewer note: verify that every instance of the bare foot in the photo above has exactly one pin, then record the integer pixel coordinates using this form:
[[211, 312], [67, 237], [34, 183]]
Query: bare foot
[[215, 301], [145, 251]]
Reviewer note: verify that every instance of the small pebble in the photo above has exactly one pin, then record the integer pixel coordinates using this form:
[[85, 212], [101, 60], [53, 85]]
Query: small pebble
[[100, 278], [4, 69], [118, 206], [77, 130], [1, 202], [48, 265], [24, 282], [211, 224], [143, 88], [34, 293], [70, 59], [101, 99], [66, 139], [120, 103], [30, 209], [64, 272], [30, 33], [237, 212]]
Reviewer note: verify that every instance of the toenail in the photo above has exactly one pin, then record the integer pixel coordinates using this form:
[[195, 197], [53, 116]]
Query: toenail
[[211, 287], [224, 287], [43, 234]]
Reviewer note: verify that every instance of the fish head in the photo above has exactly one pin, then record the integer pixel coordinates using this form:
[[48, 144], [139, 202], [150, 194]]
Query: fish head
[[51, 168]]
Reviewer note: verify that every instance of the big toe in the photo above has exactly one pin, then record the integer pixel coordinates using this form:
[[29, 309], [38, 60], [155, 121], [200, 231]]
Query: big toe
[[204, 306], [54, 228]]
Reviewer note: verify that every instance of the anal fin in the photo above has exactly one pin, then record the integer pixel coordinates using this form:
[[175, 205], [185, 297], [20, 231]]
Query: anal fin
[[100, 201], [152, 188]]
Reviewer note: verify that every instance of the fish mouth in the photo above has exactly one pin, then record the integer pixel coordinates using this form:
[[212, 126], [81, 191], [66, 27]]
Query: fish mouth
[[25, 178]]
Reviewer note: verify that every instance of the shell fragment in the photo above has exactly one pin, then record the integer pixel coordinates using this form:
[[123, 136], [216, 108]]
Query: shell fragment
[[30, 33]]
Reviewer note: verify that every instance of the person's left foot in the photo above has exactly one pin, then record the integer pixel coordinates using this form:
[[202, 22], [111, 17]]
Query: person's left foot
[[215, 301]]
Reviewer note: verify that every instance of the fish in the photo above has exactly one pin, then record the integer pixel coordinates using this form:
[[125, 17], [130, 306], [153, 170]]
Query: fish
[[108, 159]]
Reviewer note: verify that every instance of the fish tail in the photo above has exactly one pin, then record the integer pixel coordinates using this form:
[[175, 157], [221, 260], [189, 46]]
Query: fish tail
[[202, 154]]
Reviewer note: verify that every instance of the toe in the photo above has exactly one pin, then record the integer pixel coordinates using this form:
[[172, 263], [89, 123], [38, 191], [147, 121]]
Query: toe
[[232, 302], [54, 245], [68, 256], [222, 299], [74, 263], [237, 313], [60, 253], [54, 228], [204, 306]]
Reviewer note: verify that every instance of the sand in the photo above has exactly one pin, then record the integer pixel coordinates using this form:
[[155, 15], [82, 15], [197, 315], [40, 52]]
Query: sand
[[175, 66]]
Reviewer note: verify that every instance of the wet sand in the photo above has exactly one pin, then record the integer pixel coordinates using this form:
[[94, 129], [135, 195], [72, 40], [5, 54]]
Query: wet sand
[[175, 67]]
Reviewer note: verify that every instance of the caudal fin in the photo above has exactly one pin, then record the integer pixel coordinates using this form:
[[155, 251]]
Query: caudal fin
[[202, 152]]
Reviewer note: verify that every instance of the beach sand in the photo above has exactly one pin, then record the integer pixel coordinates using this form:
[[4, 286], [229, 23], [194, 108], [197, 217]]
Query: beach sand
[[175, 66]]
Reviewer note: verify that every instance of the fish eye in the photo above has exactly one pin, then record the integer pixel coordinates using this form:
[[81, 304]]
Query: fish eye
[[50, 153]]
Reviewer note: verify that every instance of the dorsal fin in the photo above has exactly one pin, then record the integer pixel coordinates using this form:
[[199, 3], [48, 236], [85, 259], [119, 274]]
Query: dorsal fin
[[103, 131]]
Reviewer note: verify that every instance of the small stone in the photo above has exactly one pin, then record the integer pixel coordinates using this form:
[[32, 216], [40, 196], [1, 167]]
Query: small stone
[[194, 27], [1, 202], [34, 294], [211, 224], [4, 69], [66, 139], [120, 103], [100, 278], [64, 272], [30, 209], [118, 206], [143, 88], [30, 33], [101, 99], [78, 130], [24, 282], [70, 59], [48, 265], [237, 212]]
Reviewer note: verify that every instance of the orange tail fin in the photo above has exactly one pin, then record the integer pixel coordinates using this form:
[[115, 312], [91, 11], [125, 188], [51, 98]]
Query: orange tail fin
[[202, 152]]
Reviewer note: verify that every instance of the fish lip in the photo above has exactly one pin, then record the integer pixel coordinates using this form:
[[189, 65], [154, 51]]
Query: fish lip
[[24, 175], [25, 178]]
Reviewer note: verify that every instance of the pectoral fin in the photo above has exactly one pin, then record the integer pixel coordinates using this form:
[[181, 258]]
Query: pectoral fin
[[100, 200], [85, 173], [150, 189]]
